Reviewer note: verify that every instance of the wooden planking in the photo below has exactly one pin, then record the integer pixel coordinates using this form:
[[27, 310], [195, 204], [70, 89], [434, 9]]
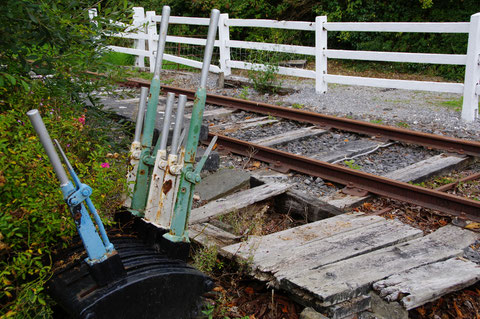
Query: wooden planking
[[428, 27], [344, 151], [432, 58], [396, 84], [236, 201], [353, 277], [208, 234], [319, 253], [416, 172], [418, 286], [427, 168], [289, 136], [259, 249]]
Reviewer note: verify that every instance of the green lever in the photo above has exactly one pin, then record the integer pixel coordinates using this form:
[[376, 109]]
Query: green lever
[[179, 225]]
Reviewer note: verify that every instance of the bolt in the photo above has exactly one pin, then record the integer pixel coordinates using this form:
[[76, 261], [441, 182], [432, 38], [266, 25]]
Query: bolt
[[73, 201], [85, 192], [278, 163]]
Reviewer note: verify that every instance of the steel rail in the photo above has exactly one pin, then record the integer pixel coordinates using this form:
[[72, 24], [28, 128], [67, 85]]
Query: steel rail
[[449, 144], [428, 198]]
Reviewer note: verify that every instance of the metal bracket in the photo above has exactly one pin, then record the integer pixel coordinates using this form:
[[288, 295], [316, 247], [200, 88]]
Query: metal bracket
[[353, 190]]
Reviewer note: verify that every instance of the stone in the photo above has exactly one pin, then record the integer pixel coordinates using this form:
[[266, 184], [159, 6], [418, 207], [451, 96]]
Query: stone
[[213, 160], [387, 310], [222, 183], [310, 313]]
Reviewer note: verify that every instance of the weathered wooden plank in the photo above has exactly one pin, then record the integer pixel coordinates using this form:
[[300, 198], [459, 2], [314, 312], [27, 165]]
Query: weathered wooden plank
[[413, 173], [353, 277], [316, 254], [300, 203], [236, 201], [258, 249], [289, 136], [209, 115], [418, 286], [425, 169], [207, 234], [346, 150]]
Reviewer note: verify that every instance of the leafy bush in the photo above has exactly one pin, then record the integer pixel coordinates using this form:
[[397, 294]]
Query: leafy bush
[[34, 216]]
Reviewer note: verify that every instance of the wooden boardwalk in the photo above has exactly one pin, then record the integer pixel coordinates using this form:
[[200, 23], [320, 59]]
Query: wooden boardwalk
[[334, 264]]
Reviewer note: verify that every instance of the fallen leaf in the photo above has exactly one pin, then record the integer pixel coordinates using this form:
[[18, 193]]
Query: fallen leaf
[[345, 140], [457, 310], [249, 290], [473, 226], [256, 164], [218, 289]]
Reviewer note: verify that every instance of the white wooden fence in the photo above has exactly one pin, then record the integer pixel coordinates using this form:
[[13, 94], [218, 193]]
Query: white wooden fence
[[143, 29]]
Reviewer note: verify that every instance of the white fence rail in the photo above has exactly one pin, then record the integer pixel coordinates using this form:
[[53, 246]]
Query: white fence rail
[[143, 29]]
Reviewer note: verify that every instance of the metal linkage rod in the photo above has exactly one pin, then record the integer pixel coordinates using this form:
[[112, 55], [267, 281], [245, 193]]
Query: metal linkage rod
[[182, 100], [141, 114]]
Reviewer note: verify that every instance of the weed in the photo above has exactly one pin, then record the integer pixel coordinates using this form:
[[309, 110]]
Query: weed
[[206, 260], [271, 117], [377, 121], [403, 124], [297, 106], [455, 105], [351, 164], [244, 93], [265, 79]]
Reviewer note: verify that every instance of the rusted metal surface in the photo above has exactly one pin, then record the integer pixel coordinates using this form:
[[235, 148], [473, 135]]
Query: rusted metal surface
[[449, 144], [446, 187], [433, 199]]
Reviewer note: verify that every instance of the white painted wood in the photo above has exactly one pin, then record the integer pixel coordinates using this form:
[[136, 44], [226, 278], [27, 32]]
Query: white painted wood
[[224, 40], [127, 35], [152, 37], [454, 59], [289, 136], [477, 89], [129, 50], [320, 54], [418, 286], [236, 201], [472, 71], [397, 84], [194, 41], [352, 277], [281, 70], [138, 20], [183, 20], [263, 46], [427, 27], [192, 63], [259, 23]]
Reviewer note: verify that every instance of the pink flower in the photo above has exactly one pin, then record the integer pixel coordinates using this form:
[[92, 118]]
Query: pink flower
[[81, 119], [105, 165]]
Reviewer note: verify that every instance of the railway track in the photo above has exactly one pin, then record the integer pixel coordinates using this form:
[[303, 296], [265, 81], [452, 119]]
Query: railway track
[[363, 139], [357, 252]]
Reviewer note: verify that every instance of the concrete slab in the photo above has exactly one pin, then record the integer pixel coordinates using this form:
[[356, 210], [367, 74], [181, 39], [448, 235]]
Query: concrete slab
[[222, 183]]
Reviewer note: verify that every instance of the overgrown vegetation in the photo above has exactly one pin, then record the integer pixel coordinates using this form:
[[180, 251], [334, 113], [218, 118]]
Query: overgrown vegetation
[[45, 49]]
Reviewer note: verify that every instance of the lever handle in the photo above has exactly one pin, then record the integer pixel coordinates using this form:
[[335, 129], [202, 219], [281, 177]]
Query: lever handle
[[212, 33], [202, 161], [46, 141], [141, 114]]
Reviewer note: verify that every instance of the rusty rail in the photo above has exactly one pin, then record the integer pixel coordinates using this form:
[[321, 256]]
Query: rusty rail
[[433, 199], [449, 186], [449, 144]]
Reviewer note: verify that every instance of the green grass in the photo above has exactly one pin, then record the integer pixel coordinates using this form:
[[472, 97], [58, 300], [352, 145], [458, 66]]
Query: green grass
[[117, 58]]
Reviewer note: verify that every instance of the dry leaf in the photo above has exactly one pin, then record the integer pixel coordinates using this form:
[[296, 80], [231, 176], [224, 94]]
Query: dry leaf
[[218, 289], [249, 290], [473, 226]]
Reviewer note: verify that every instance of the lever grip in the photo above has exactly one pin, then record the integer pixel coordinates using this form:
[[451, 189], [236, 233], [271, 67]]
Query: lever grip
[[212, 33], [47, 143]]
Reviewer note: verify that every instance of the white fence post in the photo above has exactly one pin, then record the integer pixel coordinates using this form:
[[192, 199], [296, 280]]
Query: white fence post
[[92, 13], [472, 71], [152, 36], [320, 57], [139, 28], [223, 37]]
